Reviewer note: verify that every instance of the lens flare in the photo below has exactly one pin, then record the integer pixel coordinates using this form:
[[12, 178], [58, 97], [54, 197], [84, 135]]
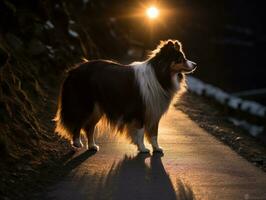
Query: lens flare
[[152, 12]]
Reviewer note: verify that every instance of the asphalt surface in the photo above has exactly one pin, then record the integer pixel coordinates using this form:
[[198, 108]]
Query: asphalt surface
[[194, 166]]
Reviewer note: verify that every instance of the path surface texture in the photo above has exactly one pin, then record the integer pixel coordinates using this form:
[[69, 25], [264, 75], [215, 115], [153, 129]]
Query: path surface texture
[[194, 166]]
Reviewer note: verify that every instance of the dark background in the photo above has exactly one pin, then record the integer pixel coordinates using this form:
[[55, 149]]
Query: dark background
[[226, 38]]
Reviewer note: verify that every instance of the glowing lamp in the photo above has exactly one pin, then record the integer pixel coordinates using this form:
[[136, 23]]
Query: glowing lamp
[[152, 12]]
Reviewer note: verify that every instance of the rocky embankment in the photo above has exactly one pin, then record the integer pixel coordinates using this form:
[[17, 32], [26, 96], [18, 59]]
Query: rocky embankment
[[38, 41]]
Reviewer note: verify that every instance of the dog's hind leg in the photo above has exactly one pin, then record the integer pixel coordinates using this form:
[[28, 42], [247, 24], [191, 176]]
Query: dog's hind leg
[[76, 138], [90, 127]]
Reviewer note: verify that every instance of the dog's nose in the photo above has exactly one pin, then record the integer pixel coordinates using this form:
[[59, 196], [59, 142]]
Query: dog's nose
[[194, 64], [191, 64]]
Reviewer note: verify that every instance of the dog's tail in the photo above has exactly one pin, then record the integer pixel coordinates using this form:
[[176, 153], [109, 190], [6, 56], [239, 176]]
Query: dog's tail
[[63, 126]]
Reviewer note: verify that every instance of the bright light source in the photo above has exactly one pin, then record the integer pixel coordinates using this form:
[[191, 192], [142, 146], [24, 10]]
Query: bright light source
[[152, 12]]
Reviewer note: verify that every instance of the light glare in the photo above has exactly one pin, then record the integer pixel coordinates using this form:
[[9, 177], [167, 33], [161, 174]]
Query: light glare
[[152, 12]]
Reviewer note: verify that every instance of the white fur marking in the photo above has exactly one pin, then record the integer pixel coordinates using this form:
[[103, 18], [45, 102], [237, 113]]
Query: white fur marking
[[91, 143], [155, 97]]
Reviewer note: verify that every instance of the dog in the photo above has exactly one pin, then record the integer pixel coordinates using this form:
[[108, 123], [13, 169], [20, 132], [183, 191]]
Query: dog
[[131, 98]]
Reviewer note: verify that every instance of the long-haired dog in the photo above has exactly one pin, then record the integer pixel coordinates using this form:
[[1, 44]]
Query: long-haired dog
[[132, 98]]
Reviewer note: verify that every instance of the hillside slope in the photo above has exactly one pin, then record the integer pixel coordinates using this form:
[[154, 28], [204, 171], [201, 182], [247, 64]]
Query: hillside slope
[[38, 41]]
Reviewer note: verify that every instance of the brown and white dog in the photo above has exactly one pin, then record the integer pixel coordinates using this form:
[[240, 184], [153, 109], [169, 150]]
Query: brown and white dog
[[132, 98]]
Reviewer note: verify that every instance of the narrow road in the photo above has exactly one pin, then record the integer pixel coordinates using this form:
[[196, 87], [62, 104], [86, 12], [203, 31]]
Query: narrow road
[[194, 166]]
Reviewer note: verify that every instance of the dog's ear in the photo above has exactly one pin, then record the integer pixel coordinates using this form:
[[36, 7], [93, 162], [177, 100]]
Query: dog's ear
[[178, 45], [168, 46]]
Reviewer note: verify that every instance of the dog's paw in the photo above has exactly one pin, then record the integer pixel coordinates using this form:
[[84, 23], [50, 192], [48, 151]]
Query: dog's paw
[[144, 150], [157, 150], [77, 144], [93, 147]]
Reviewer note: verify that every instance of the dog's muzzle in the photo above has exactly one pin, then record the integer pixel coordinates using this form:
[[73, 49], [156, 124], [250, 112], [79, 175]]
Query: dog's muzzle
[[185, 67], [190, 66]]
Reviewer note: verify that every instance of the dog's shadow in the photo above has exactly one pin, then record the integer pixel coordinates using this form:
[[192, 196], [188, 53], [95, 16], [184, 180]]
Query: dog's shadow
[[133, 178], [77, 161]]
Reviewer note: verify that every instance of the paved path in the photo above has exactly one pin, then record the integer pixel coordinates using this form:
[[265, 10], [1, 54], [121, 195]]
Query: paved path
[[194, 165]]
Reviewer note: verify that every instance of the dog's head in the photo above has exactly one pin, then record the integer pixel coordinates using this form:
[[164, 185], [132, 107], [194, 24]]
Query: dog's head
[[171, 51]]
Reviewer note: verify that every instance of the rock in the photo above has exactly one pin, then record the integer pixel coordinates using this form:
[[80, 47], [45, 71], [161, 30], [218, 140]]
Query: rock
[[73, 33], [48, 25]]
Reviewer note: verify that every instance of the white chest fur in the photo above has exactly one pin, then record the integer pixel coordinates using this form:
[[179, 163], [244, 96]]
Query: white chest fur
[[156, 99]]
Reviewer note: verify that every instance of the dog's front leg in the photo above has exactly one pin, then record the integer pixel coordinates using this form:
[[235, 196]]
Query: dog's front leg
[[91, 143], [90, 136], [152, 135]]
